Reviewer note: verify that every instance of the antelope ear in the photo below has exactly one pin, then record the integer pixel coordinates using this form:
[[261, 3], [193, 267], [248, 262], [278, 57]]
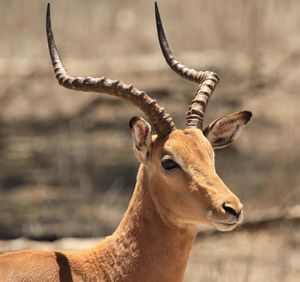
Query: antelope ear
[[141, 135], [223, 132]]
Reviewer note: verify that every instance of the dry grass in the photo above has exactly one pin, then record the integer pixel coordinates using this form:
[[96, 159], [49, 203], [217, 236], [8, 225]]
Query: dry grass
[[266, 254]]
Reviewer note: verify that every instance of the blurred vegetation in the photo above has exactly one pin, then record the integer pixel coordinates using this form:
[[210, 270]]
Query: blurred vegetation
[[66, 166]]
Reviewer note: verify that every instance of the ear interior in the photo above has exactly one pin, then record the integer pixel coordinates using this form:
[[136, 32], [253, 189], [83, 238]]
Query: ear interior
[[141, 135], [223, 132]]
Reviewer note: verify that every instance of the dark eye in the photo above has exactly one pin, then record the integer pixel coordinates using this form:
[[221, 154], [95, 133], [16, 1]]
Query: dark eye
[[168, 164]]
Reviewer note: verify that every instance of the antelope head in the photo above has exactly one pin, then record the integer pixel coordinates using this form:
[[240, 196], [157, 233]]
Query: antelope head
[[178, 163]]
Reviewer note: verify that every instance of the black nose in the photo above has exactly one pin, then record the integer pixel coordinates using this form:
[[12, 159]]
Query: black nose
[[229, 209]]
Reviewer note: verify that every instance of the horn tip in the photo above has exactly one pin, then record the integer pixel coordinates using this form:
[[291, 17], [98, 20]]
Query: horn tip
[[48, 14], [156, 11]]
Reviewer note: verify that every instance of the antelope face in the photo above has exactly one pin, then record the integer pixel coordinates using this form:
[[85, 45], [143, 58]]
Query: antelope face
[[179, 163], [184, 184]]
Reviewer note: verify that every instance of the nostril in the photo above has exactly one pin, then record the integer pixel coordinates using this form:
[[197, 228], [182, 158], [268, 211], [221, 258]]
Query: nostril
[[229, 209]]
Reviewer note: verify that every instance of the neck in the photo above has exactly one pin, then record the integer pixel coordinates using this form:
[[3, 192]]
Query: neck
[[151, 248]]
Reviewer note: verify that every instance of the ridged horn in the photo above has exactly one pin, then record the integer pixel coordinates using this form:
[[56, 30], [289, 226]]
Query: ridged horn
[[207, 80], [161, 121]]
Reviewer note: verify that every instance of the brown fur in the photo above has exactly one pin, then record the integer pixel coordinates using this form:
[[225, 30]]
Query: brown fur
[[154, 238]]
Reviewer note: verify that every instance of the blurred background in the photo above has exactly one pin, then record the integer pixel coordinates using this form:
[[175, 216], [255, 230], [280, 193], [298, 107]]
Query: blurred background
[[66, 164]]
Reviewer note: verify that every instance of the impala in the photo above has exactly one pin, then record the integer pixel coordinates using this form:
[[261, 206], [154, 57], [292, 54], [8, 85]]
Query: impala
[[177, 188]]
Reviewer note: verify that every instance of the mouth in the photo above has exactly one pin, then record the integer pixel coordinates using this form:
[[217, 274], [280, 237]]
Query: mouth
[[225, 226]]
